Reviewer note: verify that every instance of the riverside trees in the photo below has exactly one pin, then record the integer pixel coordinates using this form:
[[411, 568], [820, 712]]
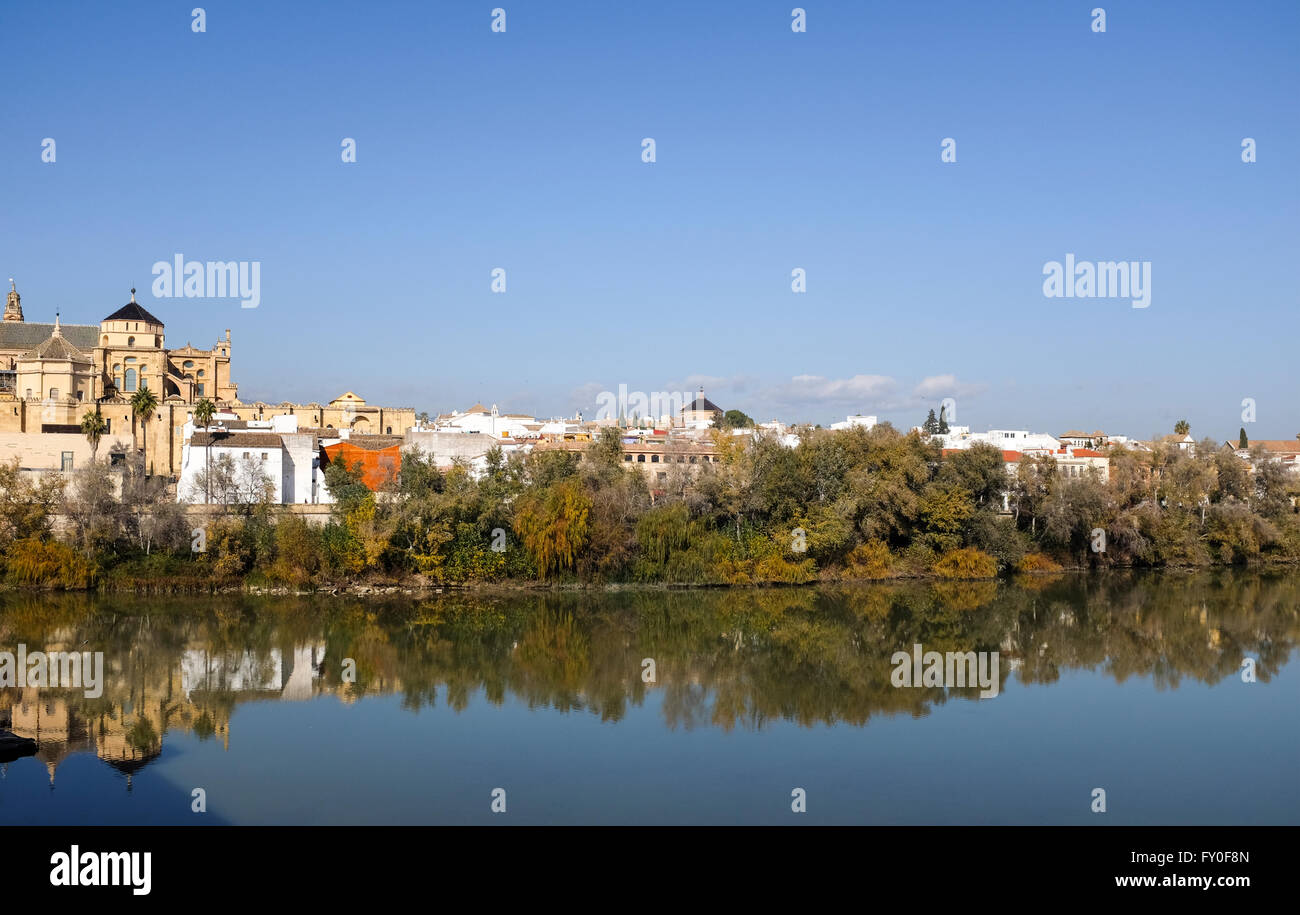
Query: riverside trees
[[854, 503]]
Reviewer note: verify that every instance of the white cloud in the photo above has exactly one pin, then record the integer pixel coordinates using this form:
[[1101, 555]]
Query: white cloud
[[936, 386]]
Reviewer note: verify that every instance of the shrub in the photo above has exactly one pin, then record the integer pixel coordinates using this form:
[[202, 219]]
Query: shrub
[[966, 563], [1037, 562], [869, 560], [49, 563]]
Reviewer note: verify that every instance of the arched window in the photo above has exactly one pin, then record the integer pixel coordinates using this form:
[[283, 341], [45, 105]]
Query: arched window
[[130, 341], [130, 379], [106, 339], [199, 373], [654, 459], [54, 393], [187, 364], [640, 458]]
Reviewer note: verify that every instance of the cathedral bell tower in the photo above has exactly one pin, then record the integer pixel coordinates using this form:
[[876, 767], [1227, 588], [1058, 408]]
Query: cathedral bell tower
[[13, 304]]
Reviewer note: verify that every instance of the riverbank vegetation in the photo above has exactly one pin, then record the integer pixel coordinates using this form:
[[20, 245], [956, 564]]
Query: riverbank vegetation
[[842, 505]]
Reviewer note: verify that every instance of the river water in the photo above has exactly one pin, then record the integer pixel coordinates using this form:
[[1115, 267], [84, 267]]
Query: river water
[[1176, 695]]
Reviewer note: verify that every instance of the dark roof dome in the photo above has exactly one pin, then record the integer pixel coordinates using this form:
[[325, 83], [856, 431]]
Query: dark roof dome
[[133, 311]]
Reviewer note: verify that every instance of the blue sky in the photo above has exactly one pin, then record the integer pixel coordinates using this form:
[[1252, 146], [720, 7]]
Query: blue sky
[[775, 150]]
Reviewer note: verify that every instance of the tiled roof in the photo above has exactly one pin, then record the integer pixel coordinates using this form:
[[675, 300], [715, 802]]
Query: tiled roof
[[59, 350], [702, 404], [133, 311], [237, 439], [24, 335], [1278, 445]]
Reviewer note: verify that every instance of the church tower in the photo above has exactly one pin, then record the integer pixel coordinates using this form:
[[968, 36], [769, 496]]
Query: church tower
[[13, 304]]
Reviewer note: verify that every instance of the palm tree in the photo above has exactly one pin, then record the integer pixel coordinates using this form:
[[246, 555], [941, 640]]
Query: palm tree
[[93, 427], [143, 403], [204, 410]]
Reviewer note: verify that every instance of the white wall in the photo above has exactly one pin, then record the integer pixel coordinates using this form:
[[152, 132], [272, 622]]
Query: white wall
[[193, 463]]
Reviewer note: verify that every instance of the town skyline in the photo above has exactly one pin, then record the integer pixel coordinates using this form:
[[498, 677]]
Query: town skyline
[[886, 398]]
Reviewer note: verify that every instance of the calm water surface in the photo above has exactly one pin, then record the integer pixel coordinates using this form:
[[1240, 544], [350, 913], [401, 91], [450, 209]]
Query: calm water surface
[[341, 711]]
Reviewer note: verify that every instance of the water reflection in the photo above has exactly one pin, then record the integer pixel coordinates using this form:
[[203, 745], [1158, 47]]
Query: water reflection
[[722, 659]]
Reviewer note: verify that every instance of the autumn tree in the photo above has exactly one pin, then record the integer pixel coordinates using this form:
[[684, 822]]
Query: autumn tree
[[553, 525]]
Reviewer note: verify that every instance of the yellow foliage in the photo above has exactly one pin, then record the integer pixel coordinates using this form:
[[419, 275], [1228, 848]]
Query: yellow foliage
[[554, 527], [869, 560], [1037, 562], [33, 561], [967, 562]]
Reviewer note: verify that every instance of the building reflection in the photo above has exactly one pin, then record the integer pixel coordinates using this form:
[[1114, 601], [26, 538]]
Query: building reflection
[[125, 727]]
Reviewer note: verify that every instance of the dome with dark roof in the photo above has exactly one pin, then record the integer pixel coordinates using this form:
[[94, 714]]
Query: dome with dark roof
[[133, 311]]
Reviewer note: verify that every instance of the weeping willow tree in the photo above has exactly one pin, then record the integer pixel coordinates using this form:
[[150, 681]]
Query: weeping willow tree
[[554, 526]]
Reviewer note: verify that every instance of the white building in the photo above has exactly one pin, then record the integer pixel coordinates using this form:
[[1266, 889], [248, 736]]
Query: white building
[[251, 453], [292, 674], [1002, 439], [445, 448], [274, 447], [482, 420], [856, 421]]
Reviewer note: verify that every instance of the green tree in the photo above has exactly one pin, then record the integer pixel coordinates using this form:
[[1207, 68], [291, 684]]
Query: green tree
[[143, 404], [344, 483], [27, 504], [420, 475], [204, 410], [1182, 427], [979, 470], [931, 425], [606, 450], [735, 419], [1242, 442], [93, 427]]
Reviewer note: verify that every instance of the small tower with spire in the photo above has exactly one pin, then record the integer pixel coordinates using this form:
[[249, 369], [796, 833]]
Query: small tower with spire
[[13, 304]]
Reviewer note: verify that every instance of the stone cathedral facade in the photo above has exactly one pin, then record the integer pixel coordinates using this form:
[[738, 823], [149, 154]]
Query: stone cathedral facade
[[51, 374]]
